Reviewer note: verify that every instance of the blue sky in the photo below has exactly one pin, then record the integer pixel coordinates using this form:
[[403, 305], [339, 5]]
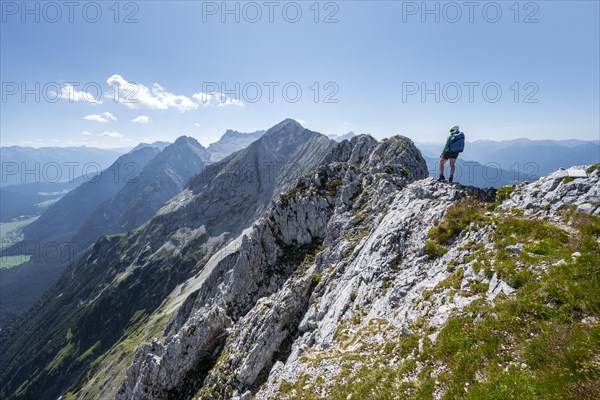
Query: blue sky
[[374, 63]]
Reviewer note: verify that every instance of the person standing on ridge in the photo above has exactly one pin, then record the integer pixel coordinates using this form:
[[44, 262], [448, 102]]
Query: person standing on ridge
[[454, 144]]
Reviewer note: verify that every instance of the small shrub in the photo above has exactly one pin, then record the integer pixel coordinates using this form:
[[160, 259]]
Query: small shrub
[[434, 250], [504, 193], [332, 185], [480, 287], [315, 279]]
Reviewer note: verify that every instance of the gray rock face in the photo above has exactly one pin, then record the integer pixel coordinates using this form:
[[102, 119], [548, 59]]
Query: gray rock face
[[241, 185], [553, 192]]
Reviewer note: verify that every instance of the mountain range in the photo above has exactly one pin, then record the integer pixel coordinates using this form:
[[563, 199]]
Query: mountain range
[[51, 239], [339, 138], [300, 257], [75, 214], [26, 200]]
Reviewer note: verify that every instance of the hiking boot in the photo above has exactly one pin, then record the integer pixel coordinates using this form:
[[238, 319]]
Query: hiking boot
[[441, 178], [451, 179]]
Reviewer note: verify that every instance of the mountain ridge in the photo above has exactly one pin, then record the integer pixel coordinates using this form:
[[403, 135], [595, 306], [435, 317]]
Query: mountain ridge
[[273, 263]]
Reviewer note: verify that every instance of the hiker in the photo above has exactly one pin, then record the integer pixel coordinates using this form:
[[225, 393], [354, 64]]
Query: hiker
[[454, 144]]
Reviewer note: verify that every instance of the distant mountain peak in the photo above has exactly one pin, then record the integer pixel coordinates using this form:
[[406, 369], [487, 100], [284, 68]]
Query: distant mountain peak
[[286, 124], [231, 134], [188, 141], [160, 145], [183, 139], [232, 141], [346, 136]]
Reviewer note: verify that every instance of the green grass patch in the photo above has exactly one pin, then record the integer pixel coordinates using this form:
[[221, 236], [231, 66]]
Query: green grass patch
[[362, 376], [479, 287], [532, 344], [502, 194], [592, 168], [64, 355], [453, 281], [89, 352], [458, 217]]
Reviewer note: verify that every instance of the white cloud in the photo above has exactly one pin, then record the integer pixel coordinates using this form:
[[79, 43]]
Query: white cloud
[[33, 143], [109, 138], [220, 100], [300, 121], [346, 123], [196, 124], [138, 96], [111, 134], [71, 94], [104, 117], [141, 119], [227, 101], [203, 98]]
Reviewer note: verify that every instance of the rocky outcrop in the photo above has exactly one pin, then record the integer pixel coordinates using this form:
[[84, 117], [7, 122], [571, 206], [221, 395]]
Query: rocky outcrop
[[558, 191]]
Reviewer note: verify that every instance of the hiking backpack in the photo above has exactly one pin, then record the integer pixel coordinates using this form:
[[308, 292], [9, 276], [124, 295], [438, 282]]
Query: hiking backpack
[[457, 145]]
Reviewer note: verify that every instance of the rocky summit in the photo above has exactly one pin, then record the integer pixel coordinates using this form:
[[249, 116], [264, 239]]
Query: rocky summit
[[349, 276]]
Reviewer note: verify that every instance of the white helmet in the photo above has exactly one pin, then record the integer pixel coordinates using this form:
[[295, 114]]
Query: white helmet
[[455, 128]]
